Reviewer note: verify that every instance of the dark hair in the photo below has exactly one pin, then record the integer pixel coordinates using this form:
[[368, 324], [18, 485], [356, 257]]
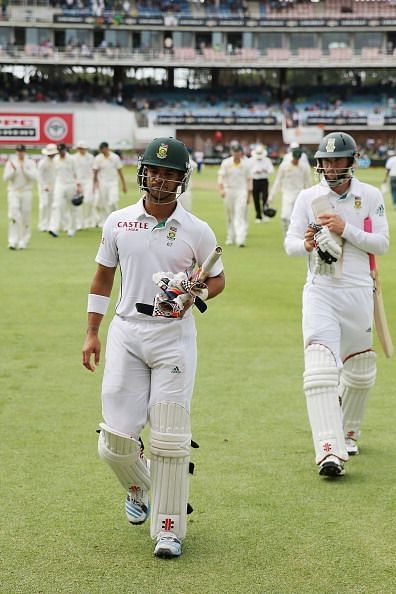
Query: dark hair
[[103, 145]]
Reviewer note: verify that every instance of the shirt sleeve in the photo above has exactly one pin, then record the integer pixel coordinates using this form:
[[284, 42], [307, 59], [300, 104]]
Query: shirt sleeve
[[376, 242], [205, 247], [299, 221], [107, 253]]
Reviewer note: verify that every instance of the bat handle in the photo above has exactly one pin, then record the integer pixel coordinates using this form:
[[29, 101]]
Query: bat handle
[[368, 227]]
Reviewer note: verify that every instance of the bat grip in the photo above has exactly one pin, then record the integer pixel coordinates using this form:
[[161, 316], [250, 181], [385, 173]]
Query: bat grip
[[368, 227]]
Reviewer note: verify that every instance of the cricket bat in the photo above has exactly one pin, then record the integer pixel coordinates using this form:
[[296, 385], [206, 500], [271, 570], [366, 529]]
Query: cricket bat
[[381, 324], [203, 272]]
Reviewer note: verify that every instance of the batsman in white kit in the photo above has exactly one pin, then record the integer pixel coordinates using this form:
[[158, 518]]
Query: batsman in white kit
[[169, 261], [329, 224]]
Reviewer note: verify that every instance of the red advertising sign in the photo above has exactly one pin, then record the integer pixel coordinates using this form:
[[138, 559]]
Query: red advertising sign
[[36, 128]]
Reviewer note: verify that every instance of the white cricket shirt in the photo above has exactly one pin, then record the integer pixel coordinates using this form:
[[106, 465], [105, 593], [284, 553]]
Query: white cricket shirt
[[363, 200], [391, 166], [260, 167], [107, 167], [46, 172], [83, 166], [140, 246], [235, 176], [20, 175], [65, 173]]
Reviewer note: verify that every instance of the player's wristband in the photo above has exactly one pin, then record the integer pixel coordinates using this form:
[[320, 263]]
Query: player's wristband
[[97, 304]]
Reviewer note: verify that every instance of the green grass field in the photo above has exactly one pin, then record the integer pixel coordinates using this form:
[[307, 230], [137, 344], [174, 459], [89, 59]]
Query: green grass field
[[264, 522]]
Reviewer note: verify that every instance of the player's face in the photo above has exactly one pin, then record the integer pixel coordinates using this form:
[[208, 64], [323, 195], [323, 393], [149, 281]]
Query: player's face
[[162, 183], [335, 166], [337, 172]]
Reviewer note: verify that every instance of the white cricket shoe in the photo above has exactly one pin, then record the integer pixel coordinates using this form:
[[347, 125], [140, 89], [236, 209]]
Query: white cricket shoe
[[351, 446], [137, 506], [331, 466], [168, 546]]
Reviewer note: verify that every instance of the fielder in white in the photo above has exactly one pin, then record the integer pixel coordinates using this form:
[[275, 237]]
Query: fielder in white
[[235, 187], [20, 173], [46, 183], [107, 169], [66, 186], [150, 359], [83, 163], [327, 225], [293, 176]]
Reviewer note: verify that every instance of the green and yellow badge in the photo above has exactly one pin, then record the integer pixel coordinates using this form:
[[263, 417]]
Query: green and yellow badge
[[162, 151], [358, 202], [330, 146]]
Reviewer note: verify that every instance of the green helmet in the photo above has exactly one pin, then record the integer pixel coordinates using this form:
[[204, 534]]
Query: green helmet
[[337, 144], [167, 152]]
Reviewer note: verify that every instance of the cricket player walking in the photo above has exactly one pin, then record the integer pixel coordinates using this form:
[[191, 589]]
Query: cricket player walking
[[293, 176], [20, 173], [83, 163], [151, 359], [328, 225], [261, 167], [235, 187], [107, 169], [66, 185], [46, 183]]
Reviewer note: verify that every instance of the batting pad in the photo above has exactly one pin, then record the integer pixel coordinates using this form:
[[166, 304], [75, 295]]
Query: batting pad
[[321, 378], [124, 455], [170, 455], [357, 378]]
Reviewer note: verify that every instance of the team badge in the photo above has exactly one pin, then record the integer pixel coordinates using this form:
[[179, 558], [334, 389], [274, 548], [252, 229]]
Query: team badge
[[330, 146], [162, 151], [358, 202], [171, 236]]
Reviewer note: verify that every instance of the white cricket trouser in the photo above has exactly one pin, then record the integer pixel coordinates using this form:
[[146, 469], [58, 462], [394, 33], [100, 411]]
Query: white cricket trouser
[[19, 217], [146, 363], [235, 202], [107, 200], [45, 205], [85, 215], [339, 318], [63, 211]]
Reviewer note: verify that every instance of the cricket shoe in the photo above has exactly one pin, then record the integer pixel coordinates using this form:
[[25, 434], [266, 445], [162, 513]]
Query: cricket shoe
[[331, 466], [168, 546], [351, 446], [137, 506]]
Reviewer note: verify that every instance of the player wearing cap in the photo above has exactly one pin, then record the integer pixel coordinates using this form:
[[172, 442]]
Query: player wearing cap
[[46, 182], [328, 225], [83, 162], [235, 187], [261, 167], [150, 360], [66, 185], [293, 176], [20, 173], [107, 170]]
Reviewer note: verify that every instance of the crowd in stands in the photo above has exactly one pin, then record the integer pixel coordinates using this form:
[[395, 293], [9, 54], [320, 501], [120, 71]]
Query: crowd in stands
[[152, 101], [232, 8]]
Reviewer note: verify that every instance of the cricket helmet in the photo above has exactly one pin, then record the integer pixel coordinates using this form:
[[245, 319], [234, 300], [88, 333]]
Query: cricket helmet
[[167, 152], [77, 199], [269, 212], [337, 144]]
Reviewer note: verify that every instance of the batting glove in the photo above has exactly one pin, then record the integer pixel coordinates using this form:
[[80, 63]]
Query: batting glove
[[328, 248]]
